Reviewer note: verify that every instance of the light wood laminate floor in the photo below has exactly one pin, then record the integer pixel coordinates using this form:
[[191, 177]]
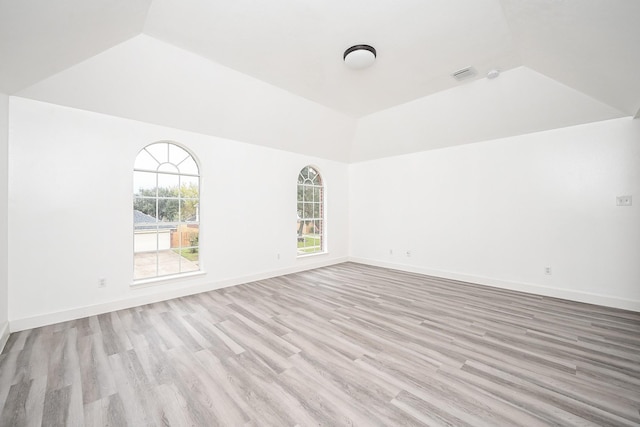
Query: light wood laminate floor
[[338, 346]]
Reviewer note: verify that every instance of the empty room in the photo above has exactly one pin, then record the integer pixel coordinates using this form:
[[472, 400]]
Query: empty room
[[319, 213]]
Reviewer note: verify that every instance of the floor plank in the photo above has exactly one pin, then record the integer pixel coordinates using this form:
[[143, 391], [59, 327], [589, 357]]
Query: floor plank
[[342, 345]]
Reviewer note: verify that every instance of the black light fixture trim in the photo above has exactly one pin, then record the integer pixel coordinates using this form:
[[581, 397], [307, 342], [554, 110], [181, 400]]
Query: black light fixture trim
[[359, 47]]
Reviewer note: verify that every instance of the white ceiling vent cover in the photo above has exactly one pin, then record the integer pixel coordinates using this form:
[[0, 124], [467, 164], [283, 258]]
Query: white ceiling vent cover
[[464, 73]]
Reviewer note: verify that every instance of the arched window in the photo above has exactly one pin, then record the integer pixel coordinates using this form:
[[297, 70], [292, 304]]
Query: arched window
[[166, 217], [310, 223]]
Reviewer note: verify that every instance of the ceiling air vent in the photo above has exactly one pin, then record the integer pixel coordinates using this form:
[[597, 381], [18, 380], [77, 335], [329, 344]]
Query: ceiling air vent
[[464, 73]]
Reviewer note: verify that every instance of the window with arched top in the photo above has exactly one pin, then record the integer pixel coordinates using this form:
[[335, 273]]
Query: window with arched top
[[310, 224], [166, 212]]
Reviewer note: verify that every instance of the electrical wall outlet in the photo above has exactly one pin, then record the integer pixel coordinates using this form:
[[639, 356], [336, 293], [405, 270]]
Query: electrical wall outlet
[[102, 282], [623, 201], [547, 270]]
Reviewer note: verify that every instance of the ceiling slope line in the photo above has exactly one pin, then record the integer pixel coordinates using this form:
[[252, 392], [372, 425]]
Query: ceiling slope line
[[37, 43]]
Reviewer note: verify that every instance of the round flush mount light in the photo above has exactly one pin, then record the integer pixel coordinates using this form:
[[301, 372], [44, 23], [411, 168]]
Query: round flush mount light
[[359, 56]]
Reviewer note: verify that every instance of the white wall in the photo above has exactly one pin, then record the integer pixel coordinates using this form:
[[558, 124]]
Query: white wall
[[499, 212], [496, 212], [70, 216], [4, 166]]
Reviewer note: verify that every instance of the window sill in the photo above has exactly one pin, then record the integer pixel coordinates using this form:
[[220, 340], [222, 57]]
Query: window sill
[[163, 280], [313, 254]]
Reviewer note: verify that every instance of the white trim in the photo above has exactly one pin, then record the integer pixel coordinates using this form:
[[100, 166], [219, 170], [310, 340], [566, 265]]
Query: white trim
[[530, 288], [4, 335], [311, 254], [163, 280], [135, 301]]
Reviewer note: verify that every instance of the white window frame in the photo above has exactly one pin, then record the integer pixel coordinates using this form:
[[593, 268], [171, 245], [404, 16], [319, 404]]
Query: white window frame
[[311, 212], [159, 248]]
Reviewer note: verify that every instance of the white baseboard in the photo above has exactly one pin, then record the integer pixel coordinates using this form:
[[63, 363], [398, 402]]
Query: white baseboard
[[4, 335], [106, 307], [15, 325], [572, 295]]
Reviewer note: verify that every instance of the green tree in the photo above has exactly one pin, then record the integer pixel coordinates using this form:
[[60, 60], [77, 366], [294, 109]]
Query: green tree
[[168, 203]]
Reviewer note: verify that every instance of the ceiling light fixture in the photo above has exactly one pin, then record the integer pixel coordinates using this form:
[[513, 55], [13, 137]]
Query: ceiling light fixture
[[359, 56]]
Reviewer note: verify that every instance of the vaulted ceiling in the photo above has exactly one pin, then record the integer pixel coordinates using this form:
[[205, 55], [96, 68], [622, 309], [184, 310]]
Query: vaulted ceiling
[[271, 72]]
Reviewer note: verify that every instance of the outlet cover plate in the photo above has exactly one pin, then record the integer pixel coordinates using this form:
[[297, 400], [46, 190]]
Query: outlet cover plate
[[624, 201]]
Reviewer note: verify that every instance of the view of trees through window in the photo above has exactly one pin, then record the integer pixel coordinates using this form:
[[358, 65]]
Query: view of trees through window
[[310, 225], [169, 209], [166, 203]]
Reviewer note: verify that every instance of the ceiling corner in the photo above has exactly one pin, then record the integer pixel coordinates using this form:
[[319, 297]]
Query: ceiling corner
[[589, 45], [37, 42]]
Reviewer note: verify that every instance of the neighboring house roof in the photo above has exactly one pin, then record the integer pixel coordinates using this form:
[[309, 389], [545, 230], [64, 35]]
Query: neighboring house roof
[[139, 217], [143, 218]]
